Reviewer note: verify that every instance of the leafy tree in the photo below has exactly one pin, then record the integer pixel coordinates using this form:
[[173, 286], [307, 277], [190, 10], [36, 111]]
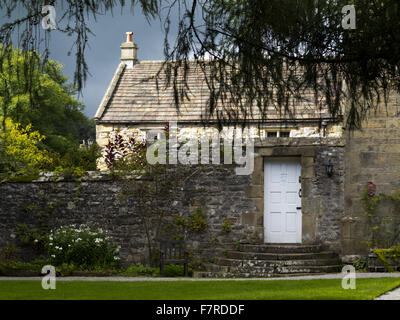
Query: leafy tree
[[50, 107], [261, 53]]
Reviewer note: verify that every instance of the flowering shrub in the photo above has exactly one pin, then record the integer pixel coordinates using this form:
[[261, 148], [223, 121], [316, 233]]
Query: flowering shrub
[[84, 247], [20, 149], [125, 154]]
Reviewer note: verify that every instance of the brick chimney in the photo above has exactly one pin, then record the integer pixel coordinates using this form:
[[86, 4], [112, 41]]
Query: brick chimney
[[129, 51]]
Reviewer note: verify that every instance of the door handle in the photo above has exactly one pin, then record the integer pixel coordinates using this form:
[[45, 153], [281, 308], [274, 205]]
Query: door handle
[[298, 208], [300, 193]]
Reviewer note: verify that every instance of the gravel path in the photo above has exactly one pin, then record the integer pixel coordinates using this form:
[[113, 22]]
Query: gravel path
[[390, 295]]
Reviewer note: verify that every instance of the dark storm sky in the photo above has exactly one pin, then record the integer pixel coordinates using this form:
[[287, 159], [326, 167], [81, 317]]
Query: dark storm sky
[[103, 55]]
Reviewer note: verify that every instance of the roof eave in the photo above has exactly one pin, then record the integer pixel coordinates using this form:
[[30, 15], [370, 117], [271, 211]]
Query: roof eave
[[109, 92]]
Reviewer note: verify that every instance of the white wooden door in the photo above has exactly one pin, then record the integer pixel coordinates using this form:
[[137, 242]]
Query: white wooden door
[[282, 201]]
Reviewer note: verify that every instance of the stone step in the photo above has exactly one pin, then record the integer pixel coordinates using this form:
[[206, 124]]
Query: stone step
[[280, 248], [240, 255], [268, 274], [271, 263], [275, 269]]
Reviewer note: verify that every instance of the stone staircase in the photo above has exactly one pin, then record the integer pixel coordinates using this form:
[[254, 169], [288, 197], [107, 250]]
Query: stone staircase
[[269, 260]]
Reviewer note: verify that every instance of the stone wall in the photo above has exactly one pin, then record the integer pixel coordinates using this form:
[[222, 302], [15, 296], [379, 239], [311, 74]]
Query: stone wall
[[216, 189], [223, 196], [372, 155]]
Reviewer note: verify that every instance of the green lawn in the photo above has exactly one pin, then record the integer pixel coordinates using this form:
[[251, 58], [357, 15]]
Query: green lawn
[[200, 290]]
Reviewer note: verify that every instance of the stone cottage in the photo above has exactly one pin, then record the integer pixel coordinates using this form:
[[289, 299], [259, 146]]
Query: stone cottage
[[309, 172]]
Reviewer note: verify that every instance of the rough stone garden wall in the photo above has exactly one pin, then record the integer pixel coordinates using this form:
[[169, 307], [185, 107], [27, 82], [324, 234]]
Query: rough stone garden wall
[[216, 189], [224, 197], [372, 155]]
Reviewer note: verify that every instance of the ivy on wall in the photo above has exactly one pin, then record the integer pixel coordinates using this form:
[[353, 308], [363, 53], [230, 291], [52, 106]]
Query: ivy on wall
[[384, 230], [388, 257]]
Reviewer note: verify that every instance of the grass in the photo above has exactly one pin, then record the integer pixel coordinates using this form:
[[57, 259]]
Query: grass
[[325, 289]]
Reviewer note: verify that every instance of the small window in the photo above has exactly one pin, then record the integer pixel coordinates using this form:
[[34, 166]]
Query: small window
[[284, 134], [272, 134]]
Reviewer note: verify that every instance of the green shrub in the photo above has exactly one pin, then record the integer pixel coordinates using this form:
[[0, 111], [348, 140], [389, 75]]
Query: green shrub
[[141, 270], [197, 221], [83, 247], [7, 252], [388, 257], [35, 265], [84, 158], [226, 227], [35, 238], [175, 270], [360, 264]]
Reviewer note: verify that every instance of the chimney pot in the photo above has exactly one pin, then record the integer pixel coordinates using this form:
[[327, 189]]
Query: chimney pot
[[129, 36]]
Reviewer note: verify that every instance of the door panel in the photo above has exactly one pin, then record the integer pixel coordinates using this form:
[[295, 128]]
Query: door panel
[[282, 219]]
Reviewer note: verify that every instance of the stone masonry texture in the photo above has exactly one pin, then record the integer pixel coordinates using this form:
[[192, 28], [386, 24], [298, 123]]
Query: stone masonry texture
[[222, 195]]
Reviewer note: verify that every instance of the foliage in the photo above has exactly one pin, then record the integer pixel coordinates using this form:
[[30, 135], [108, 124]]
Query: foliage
[[214, 240], [178, 228], [7, 252], [70, 173], [16, 265], [83, 157], [259, 53], [197, 221], [76, 162], [237, 245], [388, 257], [360, 264], [35, 238], [22, 152], [84, 247], [121, 154], [52, 110], [226, 227], [384, 231], [176, 270], [21, 149], [141, 270]]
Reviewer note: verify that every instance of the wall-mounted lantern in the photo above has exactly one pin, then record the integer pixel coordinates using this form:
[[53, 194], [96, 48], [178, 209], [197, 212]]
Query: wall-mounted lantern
[[329, 168]]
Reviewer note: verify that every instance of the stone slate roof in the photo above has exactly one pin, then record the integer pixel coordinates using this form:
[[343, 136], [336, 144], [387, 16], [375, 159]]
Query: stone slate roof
[[132, 97]]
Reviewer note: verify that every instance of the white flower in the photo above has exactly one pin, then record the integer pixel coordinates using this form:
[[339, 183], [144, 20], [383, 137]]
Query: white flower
[[36, 241], [53, 255], [116, 258]]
